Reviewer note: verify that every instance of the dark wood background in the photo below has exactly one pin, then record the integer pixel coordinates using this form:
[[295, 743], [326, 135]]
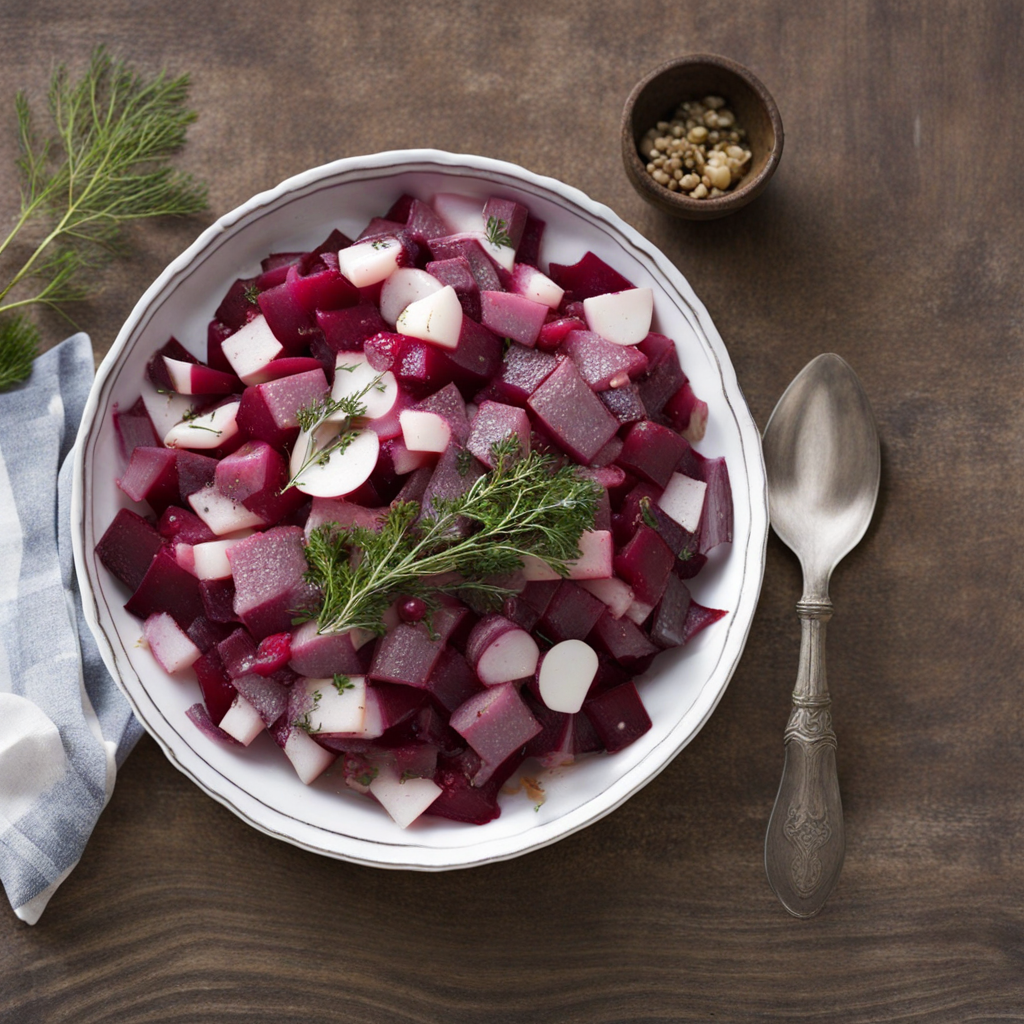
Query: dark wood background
[[893, 235]]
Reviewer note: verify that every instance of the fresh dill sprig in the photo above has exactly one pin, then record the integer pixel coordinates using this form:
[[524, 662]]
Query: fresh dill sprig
[[19, 342], [497, 233], [523, 506], [346, 411], [103, 165]]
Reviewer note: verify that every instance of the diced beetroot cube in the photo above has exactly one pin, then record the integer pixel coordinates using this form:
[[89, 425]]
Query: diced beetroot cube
[[618, 716], [238, 307], [288, 366], [668, 625], [156, 368], [476, 359], [237, 653], [269, 587], [495, 723], [167, 587], [449, 404], [452, 477], [218, 599], [511, 215], [256, 475], [380, 226], [268, 697], [152, 476], [457, 273], [571, 614], [453, 681], [182, 526], [325, 289], [602, 364], [716, 521], [687, 414], [419, 367], [460, 800], [290, 323], [698, 618], [279, 259], [423, 223], [346, 330], [268, 411], [206, 634], [134, 429], [495, 422], [530, 604], [664, 376], [624, 641], [608, 454], [319, 656], [215, 683], [555, 331], [406, 655], [645, 563], [528, 250], [624, 403], [195, 472], [652, 452], [128, 547], [572, 414], [522, 372], [512, 316], [480, 265], [216, 333], [590, 276], [200, 717], [398, 704]]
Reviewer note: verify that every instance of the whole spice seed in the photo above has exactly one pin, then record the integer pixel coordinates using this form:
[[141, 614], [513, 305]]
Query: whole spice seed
[[700, 153]]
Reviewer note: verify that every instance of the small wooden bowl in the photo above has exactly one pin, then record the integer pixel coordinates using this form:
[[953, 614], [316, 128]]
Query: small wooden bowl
[[656, 97]]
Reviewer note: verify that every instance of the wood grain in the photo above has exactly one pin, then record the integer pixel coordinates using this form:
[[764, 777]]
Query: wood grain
[[891, 234]]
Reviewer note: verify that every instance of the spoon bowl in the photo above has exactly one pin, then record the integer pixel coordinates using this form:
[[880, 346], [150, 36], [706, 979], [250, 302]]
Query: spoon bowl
[[823, 462]]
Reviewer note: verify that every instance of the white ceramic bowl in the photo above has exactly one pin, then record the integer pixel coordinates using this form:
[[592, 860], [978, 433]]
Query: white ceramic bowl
[[257, 783]]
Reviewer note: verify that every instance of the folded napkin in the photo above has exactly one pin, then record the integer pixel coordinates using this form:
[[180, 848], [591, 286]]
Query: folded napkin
[[65, 727]]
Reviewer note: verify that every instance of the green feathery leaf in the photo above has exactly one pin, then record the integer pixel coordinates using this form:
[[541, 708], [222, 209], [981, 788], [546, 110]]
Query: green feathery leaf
[[19, 343]]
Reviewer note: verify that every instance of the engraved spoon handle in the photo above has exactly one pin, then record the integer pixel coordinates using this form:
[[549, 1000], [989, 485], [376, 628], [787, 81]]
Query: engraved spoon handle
[[805, 842]]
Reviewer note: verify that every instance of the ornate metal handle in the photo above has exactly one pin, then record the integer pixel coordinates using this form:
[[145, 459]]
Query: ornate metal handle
[[805, 842]]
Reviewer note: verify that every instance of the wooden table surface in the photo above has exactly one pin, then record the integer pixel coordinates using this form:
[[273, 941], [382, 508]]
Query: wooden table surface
[[892, 234]]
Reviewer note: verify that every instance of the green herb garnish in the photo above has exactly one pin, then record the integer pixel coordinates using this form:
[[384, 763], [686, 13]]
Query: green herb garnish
[[343, 683], [252, 295], [304, 722], [646, 514], [497, 234], [104, 165], [524, 506]]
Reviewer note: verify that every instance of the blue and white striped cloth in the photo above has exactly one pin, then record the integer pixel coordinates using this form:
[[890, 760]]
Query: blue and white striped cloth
[[64, 725]]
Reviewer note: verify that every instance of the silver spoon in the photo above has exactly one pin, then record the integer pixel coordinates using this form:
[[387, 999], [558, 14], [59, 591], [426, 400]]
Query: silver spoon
[[822, 457]]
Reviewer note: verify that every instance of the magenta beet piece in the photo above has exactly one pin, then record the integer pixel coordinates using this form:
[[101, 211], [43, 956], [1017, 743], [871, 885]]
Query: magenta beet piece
[[602, 364], [494, 422], [669, 622], [495, 723], [528, 250], [216, 333], [406, 655], [277, 260], [530, 604], [324, 289], [522, 372], [195, 472], [269, 698], [608, 454], [476, 359], [167, 587], [320, 656], [687, 413], [457, 273], [512, 316], [652, 452], [128, 547], [218, 693], [345, 330], [453, 681], [218, 599], [555, 331], [237, 307], [618, 716], [624, 403], [641, 508], [269, 589], [156, 368], [152, 476], [267, 411], [449, 404], [460, 800], [182, 526], [699, 618], [624, 641], [452, 477], [480, 265], [423, 223], [419, 367], [237, 653], [716, 520], [380, 226], [206, 634], [589, 277], [415, 485], [572, 414], [200, 717], [664, 375], [645, 563], [289, 366], [571, 614], [251, 469], [290, 323], [508, 215], [134, 429]]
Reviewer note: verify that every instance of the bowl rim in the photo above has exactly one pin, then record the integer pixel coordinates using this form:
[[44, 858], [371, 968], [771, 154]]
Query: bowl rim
[[681, 205], [488, 849]]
